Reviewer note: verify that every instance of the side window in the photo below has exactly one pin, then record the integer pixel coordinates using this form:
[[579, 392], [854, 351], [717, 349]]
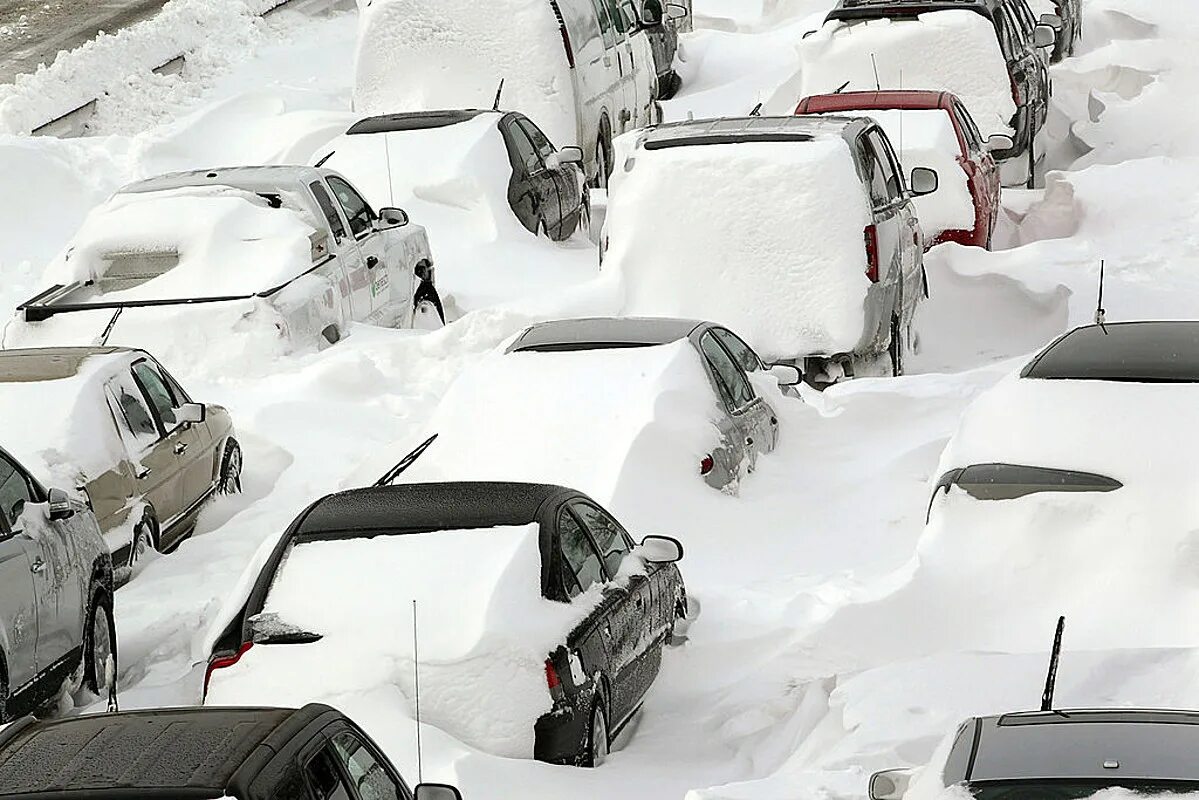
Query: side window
[[328, 209], [15, 492], [542, 144], [134, 412], [618, 19], [609, 537], [358, 211], [605, 22], [1009, 39], [162, 398], [742, 353], [735, 389], [878, 182], [579, 554], [324, 778], [526, 154], [974, 141], [369, 776], [889, 165]]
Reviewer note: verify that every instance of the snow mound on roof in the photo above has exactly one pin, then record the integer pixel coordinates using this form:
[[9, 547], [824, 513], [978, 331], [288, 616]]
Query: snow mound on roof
[[229, 242], [953, 50], [765, 238], [588, 419], [414, 55], [484, 629], [928, 139]]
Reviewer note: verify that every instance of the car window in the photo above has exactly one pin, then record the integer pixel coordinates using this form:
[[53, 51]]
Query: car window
[[734, 388], [324, 778], [162, 398], [1009, 39], [15, 491], [358, 211], [974, 142], [580, 555], [328, 209], [366, 773], [877, 181], [1023, 17], [134, 411], [540, 141], [609, 537], [618, 19], [888, 163], [605, 22], [526, 153], [742, 353]]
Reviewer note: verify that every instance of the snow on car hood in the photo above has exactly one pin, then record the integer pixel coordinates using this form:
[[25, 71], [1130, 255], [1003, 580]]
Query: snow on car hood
[[954, 50], [765, 238], [414, 55], [228, 242], [484, 630]]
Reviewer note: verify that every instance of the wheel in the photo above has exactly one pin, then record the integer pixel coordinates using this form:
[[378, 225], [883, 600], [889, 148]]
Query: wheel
[[99, 650], [895, 348], [3, 695], [425, 302], [597, 741], [145, 539], [1032, 159], [669, 85], [229, 481], [603, 165]]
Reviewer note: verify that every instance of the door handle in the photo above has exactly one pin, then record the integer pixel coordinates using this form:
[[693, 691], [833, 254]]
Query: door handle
[[38, 566], [180, 448], [749, 441], [144, 473], [372, 262]]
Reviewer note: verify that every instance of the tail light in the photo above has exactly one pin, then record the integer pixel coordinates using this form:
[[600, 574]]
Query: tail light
[[220, 662], [871, 237], [552, 681], [706, 465], [1016, 91]]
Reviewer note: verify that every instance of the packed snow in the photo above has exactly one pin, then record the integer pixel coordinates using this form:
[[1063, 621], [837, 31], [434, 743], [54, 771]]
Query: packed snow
[[838, 635]]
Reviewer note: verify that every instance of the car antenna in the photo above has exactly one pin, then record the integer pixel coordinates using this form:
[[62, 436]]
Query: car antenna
[[495, 106], [416, 691], [1100, 312], [756, 111], [324, 158], [405, 462], [877, 84], [841, 88], [1054, 655]]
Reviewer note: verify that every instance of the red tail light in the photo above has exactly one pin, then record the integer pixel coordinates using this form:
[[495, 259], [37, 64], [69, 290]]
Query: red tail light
[[220, 662], [871, 237], [551, 675], [1016, 91], [706, 465]]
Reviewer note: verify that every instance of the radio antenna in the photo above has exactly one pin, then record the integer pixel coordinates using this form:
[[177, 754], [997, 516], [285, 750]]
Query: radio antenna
[[1054, 655], [495, 106], [877, 84], [420, 776], [756, 111], [1100, 312]]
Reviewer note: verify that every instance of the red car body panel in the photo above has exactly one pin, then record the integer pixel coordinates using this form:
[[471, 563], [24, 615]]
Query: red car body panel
[[982, 174]]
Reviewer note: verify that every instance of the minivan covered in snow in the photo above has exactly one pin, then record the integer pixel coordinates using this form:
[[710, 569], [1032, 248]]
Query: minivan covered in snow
[[583, 70]]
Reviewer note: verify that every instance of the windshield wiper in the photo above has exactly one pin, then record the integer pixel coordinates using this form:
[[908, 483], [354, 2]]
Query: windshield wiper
[[405, 462]]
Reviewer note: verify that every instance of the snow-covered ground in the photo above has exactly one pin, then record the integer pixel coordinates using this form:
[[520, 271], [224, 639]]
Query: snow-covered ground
[[829, 644]]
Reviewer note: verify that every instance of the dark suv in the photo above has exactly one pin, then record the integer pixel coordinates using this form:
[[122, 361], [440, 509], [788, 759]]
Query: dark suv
[[1023, 43]]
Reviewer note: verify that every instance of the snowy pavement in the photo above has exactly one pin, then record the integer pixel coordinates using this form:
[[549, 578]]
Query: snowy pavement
[[828, 645]]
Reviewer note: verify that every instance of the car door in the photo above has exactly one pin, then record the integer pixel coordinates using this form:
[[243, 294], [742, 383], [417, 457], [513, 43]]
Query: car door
[[622, 55], [382, 260], [20, 559], [532, 192], [765, 422], [191, 443], [567, 179], [897, 228], [740, 403], [355, 281], [370, 775], [981, 169]]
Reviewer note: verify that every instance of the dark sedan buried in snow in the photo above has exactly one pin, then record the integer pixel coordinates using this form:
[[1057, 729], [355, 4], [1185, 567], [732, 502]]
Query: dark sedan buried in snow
[[538, 612]]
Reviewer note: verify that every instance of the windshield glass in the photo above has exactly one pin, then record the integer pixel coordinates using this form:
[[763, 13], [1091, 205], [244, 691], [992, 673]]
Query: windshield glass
[[1067, 790]]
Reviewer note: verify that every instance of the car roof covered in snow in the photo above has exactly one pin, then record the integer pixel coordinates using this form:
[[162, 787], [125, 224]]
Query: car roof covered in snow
[[132, 753], [415, 120], [737, 130], [429, 506], [1145, 743], [875, 9], [913, 99], [1136, 352], [49, 363], [597, 333], [254, 179]]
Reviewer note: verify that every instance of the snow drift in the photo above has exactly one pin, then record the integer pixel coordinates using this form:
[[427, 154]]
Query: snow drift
[[956, 51], [764, 238]]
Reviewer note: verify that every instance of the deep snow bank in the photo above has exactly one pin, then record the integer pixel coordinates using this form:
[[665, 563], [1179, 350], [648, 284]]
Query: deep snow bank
[[784, 268]]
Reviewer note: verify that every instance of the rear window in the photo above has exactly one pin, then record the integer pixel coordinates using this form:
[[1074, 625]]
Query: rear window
[[1137, 352], [1009, 481]]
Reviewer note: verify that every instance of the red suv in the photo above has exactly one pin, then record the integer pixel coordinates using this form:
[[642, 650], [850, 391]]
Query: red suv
[[973, 156]]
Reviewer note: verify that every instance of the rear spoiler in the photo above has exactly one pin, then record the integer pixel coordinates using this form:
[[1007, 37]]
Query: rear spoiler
[[37, 309]]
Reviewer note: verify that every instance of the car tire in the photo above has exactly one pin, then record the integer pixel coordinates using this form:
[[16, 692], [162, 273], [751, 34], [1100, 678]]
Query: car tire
[[229, 478], [669, 85], [598, 740], [1032, 159], [427, 294], [145, 538], [99, 645], [603, 157], [4, 718], [895, 347]]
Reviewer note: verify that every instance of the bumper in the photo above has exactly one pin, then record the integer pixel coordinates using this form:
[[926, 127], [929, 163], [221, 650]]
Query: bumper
[[560, 737]]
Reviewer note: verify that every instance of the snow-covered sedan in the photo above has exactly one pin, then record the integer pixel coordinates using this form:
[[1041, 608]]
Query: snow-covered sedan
[[285, 257], [540, 623], [392, 156]]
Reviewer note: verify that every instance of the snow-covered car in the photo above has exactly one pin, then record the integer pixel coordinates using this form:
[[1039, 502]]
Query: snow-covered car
[[584, 69], [56, 590], [388, 155], [241, 753], [114, 425], [987, 52], [541, 622], [798, 232], [1065, 17], [934, 129], [662, 23], [288, 256]]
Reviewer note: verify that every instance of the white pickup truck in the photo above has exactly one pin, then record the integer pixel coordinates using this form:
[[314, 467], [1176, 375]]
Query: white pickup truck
[[288, 253]]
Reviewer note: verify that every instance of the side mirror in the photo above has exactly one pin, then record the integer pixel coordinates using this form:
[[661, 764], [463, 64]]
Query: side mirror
[[1052, 20], [391, 218], [1043, 36], [570, 155], [924, 181], [651, 15], [676, 11], [191, 412], [999, 142], [890, 784], [661, 549], [59, 505], [436, 791], [786, 374]]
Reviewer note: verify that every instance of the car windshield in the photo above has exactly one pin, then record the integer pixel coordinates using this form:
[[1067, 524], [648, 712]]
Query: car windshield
[[1070, 790], [1138, 352]]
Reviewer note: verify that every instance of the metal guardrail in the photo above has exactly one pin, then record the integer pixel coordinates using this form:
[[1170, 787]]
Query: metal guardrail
[[75, 123]]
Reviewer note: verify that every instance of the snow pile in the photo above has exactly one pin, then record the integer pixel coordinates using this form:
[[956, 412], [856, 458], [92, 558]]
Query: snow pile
[[765, 238], [416, 55], [928, 139], [956, 51], [228, 241], [593, 420], [484, 629]]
